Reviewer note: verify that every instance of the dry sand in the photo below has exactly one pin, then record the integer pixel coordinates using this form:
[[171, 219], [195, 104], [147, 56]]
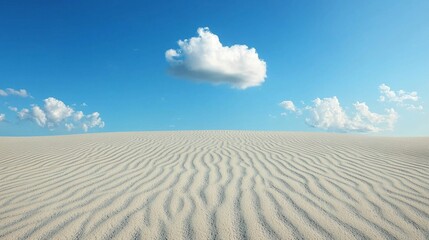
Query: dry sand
[[214, 185]]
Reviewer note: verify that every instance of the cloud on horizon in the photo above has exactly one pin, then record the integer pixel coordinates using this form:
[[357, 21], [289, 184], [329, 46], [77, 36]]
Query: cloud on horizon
[[55, 114], [205, 59], [328, 114], [407, 100]]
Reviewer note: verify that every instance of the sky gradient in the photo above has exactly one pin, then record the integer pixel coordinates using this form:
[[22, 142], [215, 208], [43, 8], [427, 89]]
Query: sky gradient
[[78, 58]]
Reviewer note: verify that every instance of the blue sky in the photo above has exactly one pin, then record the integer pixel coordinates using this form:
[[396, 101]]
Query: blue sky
[[109, 57]]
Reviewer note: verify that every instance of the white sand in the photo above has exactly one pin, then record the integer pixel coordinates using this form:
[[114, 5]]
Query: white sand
[[214, 184]]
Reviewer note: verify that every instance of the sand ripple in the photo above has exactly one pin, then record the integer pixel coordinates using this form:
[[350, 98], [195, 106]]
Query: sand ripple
[[214, 185]]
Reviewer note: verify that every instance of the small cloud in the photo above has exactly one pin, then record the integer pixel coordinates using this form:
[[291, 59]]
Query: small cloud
[[23, 114], [412, 107], [407, 100], [288, 105], [84, 105], [92, 120], [12, 92], [205, 59], [2, 117], [272, 116], [20, 92], [13, 109]]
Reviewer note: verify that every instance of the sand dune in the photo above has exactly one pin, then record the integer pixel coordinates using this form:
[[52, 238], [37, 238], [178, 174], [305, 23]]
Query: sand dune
[[214, 185]]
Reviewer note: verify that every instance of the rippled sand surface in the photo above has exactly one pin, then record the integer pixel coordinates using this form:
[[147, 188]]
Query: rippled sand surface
[[214, 185]]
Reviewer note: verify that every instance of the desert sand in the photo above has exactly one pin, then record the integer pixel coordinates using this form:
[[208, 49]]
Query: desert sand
[[214, 185]]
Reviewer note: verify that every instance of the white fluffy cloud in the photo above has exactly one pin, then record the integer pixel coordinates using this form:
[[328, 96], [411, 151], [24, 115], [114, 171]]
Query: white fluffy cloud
[[373, 121], [205, 59], [56, 110], [408, 100], [92, 120], [36, 114], [39, 116], [77, 116], [11, 91], [328, 114], [288, 105], [2, 117], [23, 114], [56, 113]]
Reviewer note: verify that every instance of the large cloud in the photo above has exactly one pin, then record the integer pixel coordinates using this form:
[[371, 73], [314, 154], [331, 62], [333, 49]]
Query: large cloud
[[56, 113], [408, 100], [328, 114], [11, 91], [204, 58]]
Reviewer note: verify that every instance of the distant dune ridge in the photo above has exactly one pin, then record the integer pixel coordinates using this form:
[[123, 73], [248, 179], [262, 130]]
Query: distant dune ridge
[[214, 185]]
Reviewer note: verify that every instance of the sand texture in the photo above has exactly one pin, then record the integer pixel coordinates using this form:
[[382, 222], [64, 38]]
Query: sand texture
[[214, 185]]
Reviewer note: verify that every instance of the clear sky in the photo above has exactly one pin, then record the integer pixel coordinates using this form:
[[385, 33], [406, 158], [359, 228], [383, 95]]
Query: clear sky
[[338, 66]]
